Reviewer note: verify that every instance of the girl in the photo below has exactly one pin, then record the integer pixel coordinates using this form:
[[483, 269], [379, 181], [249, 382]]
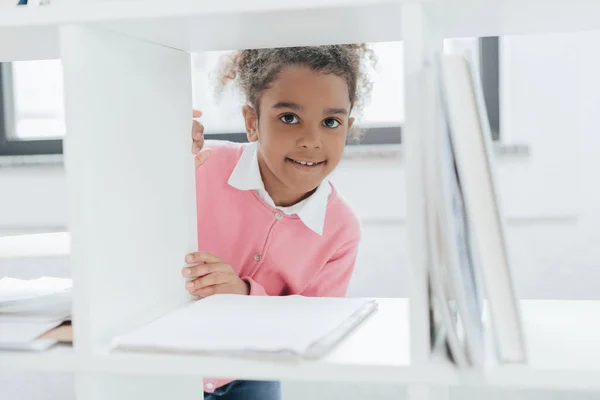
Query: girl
[[269, 221]]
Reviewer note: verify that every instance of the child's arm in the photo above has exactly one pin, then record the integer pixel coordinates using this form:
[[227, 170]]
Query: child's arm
[[256, 289]]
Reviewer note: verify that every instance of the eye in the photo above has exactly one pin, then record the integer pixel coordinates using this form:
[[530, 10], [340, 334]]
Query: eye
[[290, 119], [331, 123]]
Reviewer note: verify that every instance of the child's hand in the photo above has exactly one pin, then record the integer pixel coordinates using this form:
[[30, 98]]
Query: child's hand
[[211, 275], [198, 139]]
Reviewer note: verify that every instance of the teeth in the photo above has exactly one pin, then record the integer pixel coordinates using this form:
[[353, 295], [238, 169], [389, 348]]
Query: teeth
[[308, 163]]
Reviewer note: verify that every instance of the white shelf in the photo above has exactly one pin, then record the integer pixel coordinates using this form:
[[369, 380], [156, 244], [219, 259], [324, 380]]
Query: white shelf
[[562, 345], [120, 71], [36, 245], [377, 351], [32, 33], [561, 340], [469, 18], [60, 358], [203, 25]]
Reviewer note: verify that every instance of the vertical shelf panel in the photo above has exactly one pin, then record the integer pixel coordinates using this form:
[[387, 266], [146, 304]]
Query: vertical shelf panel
[[420, 100], [130, 178]]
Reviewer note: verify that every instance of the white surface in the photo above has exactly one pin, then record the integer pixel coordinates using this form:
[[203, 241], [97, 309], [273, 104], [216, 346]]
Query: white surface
[[190, 25], [419, 97], [41, 300], [27, 42], [59, 358], [13, 290], [132, 217], [23, 332], [289, 325], [111, 387], [466, 18], [377, 350], [35, 245], [561, 339]]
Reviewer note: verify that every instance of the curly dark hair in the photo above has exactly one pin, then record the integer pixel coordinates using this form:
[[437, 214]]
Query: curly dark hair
[[253, 70]]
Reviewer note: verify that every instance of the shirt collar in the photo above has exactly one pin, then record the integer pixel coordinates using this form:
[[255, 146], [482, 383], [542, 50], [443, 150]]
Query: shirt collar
[[246, 176]]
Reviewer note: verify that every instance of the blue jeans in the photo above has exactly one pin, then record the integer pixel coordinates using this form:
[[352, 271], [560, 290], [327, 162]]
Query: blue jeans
[[246, 390]]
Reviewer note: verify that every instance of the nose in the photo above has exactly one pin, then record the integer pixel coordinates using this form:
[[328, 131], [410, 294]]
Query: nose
[[310, 139]]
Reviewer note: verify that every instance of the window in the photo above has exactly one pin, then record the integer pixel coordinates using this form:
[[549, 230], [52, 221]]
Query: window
[[31, 108], [32, 104], [489, 62]]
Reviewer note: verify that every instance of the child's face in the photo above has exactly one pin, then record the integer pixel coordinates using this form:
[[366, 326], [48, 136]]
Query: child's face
[[304, 117]]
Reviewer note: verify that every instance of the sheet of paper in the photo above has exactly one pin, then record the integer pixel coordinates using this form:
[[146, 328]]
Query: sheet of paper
[[254, 324], [14, 290], [23, 332]]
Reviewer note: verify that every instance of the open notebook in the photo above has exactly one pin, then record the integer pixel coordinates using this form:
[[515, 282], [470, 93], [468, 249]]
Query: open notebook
[[252, 325]]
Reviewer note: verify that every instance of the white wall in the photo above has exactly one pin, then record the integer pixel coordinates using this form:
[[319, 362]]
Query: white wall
[[32, 198], [550, 102]]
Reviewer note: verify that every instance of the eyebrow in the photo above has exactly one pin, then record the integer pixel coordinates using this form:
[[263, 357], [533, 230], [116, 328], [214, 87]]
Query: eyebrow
[[342, 111], [288, 104], [297, 107]]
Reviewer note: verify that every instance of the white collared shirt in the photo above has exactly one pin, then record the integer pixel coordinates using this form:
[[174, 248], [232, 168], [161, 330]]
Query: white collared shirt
[[246, 176]]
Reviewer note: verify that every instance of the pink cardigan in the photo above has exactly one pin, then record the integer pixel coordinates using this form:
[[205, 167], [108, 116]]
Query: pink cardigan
[[278, 256]]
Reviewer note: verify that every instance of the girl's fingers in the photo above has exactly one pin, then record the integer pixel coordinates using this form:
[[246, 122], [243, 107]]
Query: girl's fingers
[[206, 291], [214, 289], [199, 270], [212, 279], [197, 137], [196, 113], [201, 257], [197, 130]]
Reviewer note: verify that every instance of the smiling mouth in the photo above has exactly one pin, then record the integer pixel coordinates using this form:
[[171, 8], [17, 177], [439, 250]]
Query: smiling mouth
[[305, 163]]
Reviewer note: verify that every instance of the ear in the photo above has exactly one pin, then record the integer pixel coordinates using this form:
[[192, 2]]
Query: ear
[[350, 123], [251, 122]]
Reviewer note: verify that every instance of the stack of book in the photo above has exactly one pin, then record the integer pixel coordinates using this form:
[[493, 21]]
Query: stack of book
[[474, 316], [31, 310]]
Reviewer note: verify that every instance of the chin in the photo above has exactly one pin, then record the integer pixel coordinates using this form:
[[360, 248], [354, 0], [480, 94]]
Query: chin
[[306, 185], [304, 178]]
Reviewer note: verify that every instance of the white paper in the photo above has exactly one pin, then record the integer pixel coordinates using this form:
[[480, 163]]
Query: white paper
[[23, 332], [247, 324], [43, 300], [14, 290]]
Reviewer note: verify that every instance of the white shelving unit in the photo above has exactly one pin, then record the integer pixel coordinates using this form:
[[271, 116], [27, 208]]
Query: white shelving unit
[[198, 25], [128, 102]]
